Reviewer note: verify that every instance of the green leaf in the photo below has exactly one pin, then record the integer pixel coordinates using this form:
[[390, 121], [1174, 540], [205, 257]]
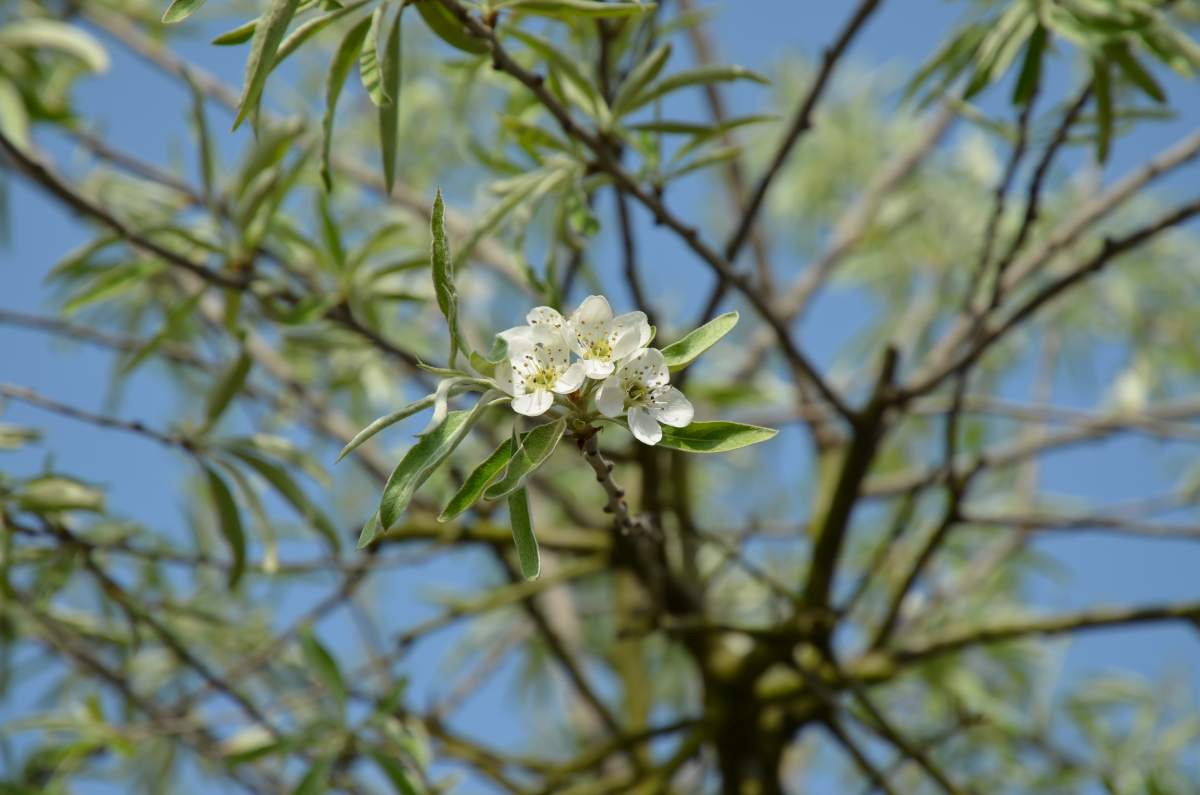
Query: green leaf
[[1135, 72], [370, 531], [422, 459], [304, 32], [389, 116], [339, 70], [226, 388], [692, 77], [316, 780], [50, 493], [523, 537], [13, 437], [447, 28], [395, 772], [286, 487], [268, 34], [14, 119], [536, 447], [714, 437], [572, 9], [479, 479], [229, 522], [385, 421], [368, 62], [239, 35], [641, 76], [568, 68], [180, 10], [443, 275], [1102, 82], [680, 354], [1031, 68], [112, 282], [51, 35], [322, 664]]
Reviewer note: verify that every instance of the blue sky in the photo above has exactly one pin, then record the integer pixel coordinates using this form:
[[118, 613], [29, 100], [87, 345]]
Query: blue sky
[[143, 112]]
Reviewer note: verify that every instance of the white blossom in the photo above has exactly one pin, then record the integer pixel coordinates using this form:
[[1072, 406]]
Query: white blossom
[[639, 388], [600, 339], [538, 365]]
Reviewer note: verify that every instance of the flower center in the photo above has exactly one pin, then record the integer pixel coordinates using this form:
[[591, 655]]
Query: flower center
[[599, 349]]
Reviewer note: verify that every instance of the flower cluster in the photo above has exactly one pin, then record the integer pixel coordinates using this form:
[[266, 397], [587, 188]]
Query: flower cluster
[[612, 362]]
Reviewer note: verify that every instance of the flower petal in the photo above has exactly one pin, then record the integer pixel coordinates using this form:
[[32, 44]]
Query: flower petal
[[645, 428], [546, 316], [610, 399], [533, 404], [593, 311], [504, 377], [517, 337], [571, 379], [625, 342], [597, 368], [670, 407], [646, 367]]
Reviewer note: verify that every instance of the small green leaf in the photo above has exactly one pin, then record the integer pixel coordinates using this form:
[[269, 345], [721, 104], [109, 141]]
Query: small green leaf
[[536, 447], [523, 537], [370, 531], [395, 772], [339, 70], [641, 76], [226, 389], [268, 34], [14, 119], [385, 421], [229, 522], [180, 10], [447, 27], [1031, 68], [368, 62], [714, 437], [573, 9], [1102, 82], [443, 275], [239, 35], [1135, 72], [422, 459], [51, 35], [316, 780], [699, 76], [680, 354], [50, 493], [389, 116], [479, 479], [304, 32], [322, 664], [286, 487], [13, 437]]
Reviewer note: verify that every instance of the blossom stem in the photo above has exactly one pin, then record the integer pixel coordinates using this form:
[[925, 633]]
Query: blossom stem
[[616, 504]]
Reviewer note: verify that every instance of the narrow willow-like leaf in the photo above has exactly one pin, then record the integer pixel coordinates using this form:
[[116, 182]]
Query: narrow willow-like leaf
[[422, 459], [339, 70], [368, 61], [316, 780], [239, 35], [395, 772], [679, 354], [480, 478], [50, 493], [52, 35], [536, 447], [268, 34], [443, 274], [1133, 70], [229, 522], [14, 120], [385, 421], [714, 437], [447, 28], [640, 77], [111, 282], [180, 10], [1102, 83], [304, 32], [322, 664], [287, 488], [1030, 75], [226, 388], [13, 437], [389, 116], [522, 530], [370, 531], [594, 102], [692, 77], [573, 9]]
